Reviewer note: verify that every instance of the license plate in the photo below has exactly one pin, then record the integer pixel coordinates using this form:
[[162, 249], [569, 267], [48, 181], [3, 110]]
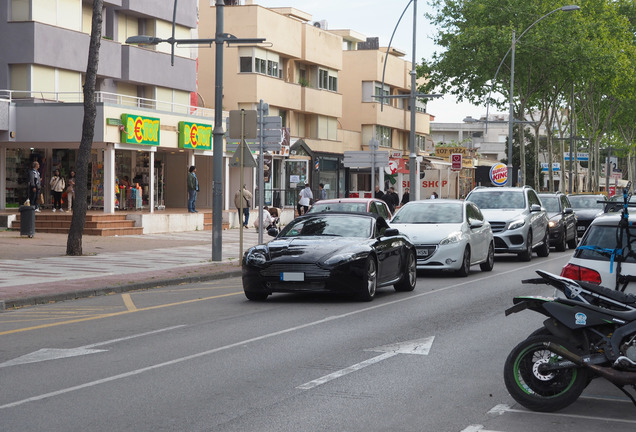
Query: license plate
[[292, 277], [422, 252]]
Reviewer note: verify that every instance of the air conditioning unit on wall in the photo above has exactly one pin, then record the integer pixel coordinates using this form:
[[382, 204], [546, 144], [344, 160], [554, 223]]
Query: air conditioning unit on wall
[[322, 24]]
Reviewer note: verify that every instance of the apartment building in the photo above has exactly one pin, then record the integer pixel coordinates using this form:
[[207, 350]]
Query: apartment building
[[322, 82], [143, 102]]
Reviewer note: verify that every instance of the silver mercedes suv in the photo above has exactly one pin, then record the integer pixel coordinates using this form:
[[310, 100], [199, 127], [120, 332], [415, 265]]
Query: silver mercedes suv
[[518, 220]]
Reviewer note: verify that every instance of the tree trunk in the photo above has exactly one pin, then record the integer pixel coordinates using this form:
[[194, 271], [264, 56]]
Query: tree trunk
[[74, 242]]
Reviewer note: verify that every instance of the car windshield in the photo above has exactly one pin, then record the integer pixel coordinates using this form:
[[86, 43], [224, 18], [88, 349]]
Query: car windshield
[[497, 199], [445, 213], [551, 203], [586, 202], [601, 240], [329, 225], [349, 207]]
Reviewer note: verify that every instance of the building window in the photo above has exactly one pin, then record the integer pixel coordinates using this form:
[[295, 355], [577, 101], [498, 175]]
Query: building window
[[420, 142], [380, 91], [383, 135], [327, 81], [246, 64]]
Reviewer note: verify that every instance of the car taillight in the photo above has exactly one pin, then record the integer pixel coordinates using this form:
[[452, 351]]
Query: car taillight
[[575, 272]]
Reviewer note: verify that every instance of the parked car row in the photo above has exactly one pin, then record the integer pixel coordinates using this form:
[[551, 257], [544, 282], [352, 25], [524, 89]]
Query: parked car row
[[355, 245]]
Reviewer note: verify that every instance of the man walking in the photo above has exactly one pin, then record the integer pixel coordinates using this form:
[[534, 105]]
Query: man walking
[[243, 200], [193, 188]]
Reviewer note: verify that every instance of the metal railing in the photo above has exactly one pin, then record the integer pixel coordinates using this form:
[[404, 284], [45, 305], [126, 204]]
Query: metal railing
[[105, 97]]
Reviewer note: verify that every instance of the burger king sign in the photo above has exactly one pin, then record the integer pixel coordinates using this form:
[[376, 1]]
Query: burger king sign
[[499, 174]]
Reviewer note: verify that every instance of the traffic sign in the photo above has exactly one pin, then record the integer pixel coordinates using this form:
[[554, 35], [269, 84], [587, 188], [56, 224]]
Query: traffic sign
[[456, 161], [243, 157], [363, 159], [242, 124]]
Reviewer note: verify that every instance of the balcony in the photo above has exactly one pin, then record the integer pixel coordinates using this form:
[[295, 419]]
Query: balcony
[[322, 102]]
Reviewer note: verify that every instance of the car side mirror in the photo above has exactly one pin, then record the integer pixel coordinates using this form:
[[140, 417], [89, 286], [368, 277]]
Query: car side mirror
[[535, 208], [474, 223], [568, 210], [390, 232]]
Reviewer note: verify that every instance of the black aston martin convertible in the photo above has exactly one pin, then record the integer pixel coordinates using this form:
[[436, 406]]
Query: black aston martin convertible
[[346, 253]]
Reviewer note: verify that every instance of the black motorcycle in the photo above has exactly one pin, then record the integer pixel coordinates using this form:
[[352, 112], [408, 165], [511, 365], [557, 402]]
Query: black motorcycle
[[590, 332]]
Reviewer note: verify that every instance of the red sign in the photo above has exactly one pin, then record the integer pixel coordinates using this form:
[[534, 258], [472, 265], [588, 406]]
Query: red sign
[[456, 161]]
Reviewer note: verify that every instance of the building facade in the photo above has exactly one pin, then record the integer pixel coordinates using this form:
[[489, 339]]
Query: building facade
[[323, 83], [143, 102]]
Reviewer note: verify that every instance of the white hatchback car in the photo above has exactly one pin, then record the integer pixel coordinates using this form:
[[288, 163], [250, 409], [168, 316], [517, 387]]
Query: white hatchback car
[[597, 256], [448, 234]]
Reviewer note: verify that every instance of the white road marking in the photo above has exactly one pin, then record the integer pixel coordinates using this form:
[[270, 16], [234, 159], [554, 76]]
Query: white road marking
[[45, 354], [420, 347], [500, 409], [258, 338]]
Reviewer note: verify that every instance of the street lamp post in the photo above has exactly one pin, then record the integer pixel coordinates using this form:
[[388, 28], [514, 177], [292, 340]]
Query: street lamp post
[[412, 99], [217, 148], [512, 79]]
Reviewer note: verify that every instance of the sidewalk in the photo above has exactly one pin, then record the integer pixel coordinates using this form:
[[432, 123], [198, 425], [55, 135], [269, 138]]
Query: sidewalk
[[36, 270]]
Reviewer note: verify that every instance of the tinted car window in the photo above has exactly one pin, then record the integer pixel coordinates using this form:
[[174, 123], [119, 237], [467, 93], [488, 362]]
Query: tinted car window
[[585, 202], [600, 240], [497, 199], [382, 211], [551, 204], [329, 226], [430, 213], [533, 198]]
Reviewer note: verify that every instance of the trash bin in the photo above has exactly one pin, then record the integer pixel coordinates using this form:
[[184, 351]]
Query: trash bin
[[27, 220]]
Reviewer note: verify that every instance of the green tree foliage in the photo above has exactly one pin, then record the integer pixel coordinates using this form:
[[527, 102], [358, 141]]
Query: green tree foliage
[[592, 48]]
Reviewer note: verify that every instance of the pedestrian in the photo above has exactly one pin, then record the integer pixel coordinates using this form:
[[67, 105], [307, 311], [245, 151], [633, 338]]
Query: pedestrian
[[405, 197], [322, 193], [70, 190], [35, 185], [193, 188], [378, 193], [304, 199], [388, 199], [245, 203], [395, 198], [267, 219], [57, 187], [434, 195]]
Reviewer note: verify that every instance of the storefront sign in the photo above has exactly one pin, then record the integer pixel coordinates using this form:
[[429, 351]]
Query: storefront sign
[[195, 136], [499, 174], [139, 130], [446, 152]]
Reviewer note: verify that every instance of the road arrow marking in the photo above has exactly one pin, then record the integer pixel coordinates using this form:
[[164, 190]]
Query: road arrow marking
[[420, 347], [55, 353]]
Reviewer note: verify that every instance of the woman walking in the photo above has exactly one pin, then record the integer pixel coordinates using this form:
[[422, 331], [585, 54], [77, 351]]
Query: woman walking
[[57, 187]]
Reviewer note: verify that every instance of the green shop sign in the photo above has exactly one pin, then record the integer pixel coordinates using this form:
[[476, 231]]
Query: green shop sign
[[139, 130], [195, 136]]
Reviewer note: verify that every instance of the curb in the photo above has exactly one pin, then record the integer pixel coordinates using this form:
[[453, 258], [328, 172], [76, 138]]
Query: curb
[[113, 289]]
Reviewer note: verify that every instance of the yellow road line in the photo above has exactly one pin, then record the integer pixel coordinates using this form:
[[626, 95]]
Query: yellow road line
[[115, 314], [128, 302]]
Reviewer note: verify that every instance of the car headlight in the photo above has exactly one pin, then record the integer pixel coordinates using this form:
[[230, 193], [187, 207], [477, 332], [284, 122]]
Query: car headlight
[[552, 224], [452, 238], [516, 224], [340, 258], [256, 258]]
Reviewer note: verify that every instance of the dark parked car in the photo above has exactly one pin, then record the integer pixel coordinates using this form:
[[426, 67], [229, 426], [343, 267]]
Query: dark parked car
[[347, 253], [587, 209], [562, 220]]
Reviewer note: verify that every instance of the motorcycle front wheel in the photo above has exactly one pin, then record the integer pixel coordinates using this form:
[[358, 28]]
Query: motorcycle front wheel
[[534, 387]]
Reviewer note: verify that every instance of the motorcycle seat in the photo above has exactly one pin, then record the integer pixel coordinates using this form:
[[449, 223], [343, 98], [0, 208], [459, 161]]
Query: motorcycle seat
[[629, 299]]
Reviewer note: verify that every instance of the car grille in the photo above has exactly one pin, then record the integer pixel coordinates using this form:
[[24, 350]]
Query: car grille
[[497, 226], [310, 270]]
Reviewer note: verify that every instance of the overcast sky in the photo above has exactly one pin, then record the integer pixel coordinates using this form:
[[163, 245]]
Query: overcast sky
[[378, 18]]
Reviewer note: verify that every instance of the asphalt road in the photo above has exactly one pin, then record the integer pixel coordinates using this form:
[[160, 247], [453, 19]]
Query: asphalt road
[[202, 358]]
